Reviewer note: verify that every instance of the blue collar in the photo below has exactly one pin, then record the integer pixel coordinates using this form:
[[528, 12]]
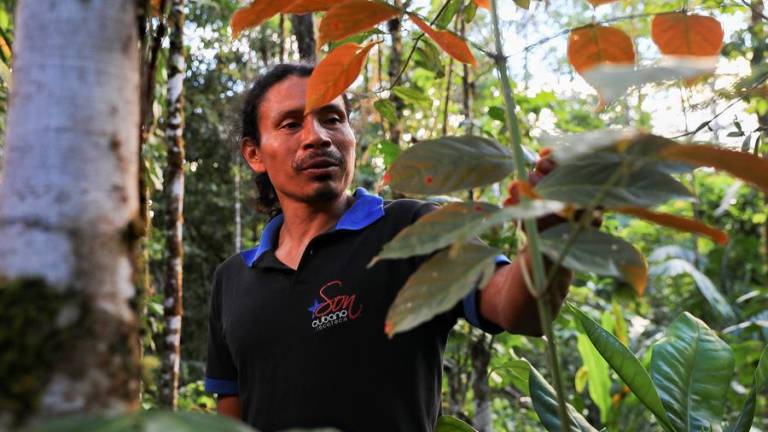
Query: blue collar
[[366, 210]]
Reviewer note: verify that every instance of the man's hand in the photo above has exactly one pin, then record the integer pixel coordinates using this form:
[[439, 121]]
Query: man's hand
[[506, 300], [229, 406]]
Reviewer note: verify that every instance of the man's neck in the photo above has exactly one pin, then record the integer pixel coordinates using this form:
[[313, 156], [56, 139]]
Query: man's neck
[[302, 222]]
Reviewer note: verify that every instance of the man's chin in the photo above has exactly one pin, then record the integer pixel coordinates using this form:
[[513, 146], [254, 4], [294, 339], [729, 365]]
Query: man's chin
[[324, 192]]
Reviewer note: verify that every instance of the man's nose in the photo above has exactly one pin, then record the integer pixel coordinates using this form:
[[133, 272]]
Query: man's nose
[[314, 135]]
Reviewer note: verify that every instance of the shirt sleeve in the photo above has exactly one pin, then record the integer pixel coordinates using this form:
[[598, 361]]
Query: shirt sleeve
[[220, 370], [470, 305]]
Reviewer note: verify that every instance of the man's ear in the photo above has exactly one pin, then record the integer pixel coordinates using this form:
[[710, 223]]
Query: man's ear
[[252, 154]]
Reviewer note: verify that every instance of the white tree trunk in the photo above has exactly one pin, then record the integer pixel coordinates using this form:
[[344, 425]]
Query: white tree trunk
[[174, 192], [69, 191]]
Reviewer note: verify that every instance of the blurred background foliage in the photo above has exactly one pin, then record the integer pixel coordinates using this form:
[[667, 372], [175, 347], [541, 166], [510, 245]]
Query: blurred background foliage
[[481, 383]]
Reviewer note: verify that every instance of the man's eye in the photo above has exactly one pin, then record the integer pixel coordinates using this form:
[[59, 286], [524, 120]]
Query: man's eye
[[333, 120], [290, 125]]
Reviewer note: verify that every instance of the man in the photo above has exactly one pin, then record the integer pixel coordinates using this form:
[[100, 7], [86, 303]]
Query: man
[[297, 324]]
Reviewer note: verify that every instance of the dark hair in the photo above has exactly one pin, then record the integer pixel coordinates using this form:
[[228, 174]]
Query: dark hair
[[267, 200]]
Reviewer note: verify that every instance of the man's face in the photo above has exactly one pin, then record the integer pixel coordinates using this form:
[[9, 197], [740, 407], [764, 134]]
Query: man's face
[[310, 158]]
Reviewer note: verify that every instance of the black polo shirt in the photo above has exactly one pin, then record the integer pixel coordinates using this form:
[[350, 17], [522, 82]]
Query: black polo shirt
[[307, 348]]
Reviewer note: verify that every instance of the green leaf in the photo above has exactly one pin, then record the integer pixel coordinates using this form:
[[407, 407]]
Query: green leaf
[[449, 164], [497, 113], [599, 382], [448, 13], [388, 150], [428, 57], [691, 368], [452, 424], [518, 372], [458, 222], [181, 421], [626, 365], [146, 421], [416, 97], [597, 252], [387, 110], [545, 403], [619, 324], [525, 4], [677, 266], [744, 422], [583, 181], [580, 380], [439, 284], [470, 11]]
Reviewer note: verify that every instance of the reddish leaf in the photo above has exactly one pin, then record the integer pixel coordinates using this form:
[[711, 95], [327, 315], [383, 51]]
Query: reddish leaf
[[351, 17], [449, 42], [677, 222], [743, 165], [337, 71], [255, 14], [692, 35], [306, 6], [485, 4], [593, 45], [597, 3]]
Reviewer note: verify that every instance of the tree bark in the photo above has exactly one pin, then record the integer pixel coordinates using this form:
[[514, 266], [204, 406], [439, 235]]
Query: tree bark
[[304, 31], [395, 64], [481, 358], [174, 192], [68, 205]]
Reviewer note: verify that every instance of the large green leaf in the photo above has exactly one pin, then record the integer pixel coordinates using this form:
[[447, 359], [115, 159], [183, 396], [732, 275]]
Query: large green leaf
[[147, 421], [677, 266], [597, 252], [744, 422], [449, 164], [439, 284], [458, 222], [545, 403], [691, 368], [452, 424], [626, 365], [584, 180], [598, 380]]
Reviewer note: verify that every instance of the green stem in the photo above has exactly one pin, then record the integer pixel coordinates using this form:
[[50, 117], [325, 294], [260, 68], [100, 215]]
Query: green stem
[[539, 279]]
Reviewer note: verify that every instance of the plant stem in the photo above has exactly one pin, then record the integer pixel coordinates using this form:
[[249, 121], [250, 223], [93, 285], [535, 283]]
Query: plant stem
[[539, 280]]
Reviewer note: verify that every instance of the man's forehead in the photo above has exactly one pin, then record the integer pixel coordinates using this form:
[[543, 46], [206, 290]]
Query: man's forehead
[[290, 95]]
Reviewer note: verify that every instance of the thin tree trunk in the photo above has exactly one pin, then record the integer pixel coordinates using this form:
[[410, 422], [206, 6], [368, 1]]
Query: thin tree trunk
[[304, 31], [759, 51], [281, 39], [238, 207], [481, 358], [395, 63], [68, 209], [174, 192]]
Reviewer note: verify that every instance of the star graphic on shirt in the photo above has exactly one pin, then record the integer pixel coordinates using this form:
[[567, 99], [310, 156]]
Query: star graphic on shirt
[[314, 307]]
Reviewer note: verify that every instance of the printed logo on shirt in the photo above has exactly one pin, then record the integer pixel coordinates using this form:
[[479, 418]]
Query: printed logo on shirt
[[334, 307]]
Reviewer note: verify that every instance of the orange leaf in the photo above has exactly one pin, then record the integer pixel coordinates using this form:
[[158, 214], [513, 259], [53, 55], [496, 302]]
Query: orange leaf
[[306, 6], [351, 17], [449, 42], [597, 3], [593, 45], [743, 165], [255, 14], [485, 4], [677, 222], [337, 71], [637, 276], [678, 33]]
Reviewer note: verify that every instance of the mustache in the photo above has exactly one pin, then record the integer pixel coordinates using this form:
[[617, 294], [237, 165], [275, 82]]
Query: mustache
[[326, 154]]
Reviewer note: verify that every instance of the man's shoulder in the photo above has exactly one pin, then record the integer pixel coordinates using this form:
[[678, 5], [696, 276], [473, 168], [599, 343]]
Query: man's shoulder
[[408, 210]]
